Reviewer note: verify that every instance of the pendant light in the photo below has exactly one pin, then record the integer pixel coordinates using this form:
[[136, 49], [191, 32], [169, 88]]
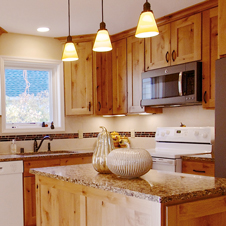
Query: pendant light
[[146, 26], [69, 53], [102, 42]]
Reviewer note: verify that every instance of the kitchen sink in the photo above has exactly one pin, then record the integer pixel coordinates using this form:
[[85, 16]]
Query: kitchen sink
[[48, 153]]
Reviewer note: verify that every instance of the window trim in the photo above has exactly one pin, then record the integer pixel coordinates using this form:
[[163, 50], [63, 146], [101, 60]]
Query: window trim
[[56, 68]]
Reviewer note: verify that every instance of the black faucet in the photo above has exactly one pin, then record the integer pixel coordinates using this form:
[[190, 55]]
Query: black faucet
[[36, 146]]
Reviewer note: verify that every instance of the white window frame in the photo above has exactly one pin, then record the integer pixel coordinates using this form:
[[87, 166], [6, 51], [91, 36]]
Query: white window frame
[[55, 67]]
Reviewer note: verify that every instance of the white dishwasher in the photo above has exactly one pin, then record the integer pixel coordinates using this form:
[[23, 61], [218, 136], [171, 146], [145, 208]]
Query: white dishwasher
[[11, 193]]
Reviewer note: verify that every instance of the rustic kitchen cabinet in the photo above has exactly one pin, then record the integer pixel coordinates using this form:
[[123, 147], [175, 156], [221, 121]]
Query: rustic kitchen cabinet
[[63, 203], [178, 42], [204, 168], [209, 55], [78, 82], [222, 27], [119, 77], [103, 88], [135, 66], [29, 182]]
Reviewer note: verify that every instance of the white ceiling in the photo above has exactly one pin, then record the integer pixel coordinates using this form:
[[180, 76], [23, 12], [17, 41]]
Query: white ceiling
[[25, 16]]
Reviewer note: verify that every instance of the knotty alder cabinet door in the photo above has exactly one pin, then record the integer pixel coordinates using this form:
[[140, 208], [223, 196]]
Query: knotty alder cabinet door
[[222, 27], [178, 42], [119, 77], [29, 182], [103, 93], [135, 66], [209, 56], [78, 82]]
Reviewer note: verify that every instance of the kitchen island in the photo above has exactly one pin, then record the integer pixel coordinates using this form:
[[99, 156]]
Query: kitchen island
[[78, 195]]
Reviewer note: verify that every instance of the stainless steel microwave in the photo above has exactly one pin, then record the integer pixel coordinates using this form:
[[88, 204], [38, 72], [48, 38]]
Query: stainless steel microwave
[[173, 85]]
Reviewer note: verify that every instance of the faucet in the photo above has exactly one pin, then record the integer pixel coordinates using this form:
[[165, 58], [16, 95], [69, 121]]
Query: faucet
[[36, 146]]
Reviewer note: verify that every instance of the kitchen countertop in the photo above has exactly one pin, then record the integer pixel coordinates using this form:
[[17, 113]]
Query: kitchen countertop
[[158, 186], [200, 157], [44, 155]]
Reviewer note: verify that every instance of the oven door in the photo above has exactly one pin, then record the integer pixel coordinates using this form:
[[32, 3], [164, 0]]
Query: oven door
[[165, 164]]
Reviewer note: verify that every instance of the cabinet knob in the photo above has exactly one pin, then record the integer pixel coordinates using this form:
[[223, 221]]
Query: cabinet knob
[[204, 97], [167, 56], [174, 55], [89, 106], [99, 106]]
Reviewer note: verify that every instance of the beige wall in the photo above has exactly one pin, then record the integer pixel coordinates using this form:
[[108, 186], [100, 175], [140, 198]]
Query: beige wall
[[28, 46], [48, 48]]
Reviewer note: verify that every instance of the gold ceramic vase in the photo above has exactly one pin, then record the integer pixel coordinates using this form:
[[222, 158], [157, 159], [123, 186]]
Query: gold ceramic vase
[[103, 147]]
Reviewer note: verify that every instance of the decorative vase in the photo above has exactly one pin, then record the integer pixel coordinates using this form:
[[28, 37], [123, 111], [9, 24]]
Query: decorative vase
[[103, 147], [129, 162]]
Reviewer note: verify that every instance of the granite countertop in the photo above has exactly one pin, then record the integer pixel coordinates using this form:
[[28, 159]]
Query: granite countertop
[[44, 155], [158, 186], [200, 157]]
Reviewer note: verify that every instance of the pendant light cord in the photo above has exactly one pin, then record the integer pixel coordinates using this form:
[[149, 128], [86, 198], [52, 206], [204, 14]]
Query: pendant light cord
[[69, 17], [102, 11]]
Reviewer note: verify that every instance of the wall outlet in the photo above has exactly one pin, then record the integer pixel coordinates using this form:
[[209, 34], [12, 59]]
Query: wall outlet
[[132, 133], [80, 134]]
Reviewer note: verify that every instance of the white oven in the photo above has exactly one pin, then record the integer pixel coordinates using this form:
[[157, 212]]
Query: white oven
[[174, 142]]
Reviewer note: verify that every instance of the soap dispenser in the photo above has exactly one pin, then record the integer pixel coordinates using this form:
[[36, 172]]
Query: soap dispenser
[[13, 147]]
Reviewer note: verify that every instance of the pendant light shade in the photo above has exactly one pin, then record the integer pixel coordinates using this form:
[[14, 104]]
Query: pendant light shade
[[69, 53], [146, 26], [102, 42]]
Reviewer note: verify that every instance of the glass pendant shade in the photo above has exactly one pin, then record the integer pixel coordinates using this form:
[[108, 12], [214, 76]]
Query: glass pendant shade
[[102, 42], [146, 26], [70, 53]]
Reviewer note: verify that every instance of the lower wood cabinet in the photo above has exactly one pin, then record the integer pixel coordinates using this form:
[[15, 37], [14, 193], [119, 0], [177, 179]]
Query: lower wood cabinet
[[62, 203], [29, 182], [203, 168]]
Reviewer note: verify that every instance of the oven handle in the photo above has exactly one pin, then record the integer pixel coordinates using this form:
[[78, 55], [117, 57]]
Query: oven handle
[[180, 83], [164, 161]]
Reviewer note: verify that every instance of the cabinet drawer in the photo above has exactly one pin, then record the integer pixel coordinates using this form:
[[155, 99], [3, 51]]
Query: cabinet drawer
[[74, 161], [198, 168], [39, 163]]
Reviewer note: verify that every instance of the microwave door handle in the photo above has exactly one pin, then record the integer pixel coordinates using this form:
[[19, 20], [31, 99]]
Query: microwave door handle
[[180, 83]]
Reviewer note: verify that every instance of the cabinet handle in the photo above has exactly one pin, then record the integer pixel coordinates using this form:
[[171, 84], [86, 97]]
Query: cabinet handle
[[99, 106], [167, 56], [199, 171], [89, 106], [141, 104], [173, 53], [204, 97]]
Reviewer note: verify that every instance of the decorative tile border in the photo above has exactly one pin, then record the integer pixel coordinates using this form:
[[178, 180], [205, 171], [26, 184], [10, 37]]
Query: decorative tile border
[[69, 136]]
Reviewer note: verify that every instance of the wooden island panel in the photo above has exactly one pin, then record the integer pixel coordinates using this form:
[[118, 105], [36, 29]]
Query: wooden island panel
[[62, 203]]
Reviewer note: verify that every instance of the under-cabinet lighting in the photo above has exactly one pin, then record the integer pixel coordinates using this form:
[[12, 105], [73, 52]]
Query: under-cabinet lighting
[[109, 116], [145, 113]]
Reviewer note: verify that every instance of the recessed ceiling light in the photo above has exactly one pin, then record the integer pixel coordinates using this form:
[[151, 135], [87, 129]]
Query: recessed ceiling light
[[43, 29]]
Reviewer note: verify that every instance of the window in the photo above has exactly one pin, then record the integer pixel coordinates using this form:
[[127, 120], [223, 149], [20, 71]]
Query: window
[[32, 93]]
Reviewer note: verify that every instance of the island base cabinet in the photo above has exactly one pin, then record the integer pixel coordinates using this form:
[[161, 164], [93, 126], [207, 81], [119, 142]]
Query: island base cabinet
[[61, 203], [209, 212]]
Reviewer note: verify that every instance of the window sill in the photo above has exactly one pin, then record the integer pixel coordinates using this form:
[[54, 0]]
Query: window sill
[[33, 130]]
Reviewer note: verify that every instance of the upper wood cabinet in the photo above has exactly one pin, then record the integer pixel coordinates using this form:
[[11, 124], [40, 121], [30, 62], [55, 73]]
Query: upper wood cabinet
[[78, 82], [178, 42], [222, 27], [135, 66], [209, 55], [119, 77], [157, 49], [102, 71]]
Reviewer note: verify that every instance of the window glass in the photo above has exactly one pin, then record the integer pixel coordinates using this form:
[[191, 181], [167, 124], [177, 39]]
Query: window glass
[[27, 96]]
